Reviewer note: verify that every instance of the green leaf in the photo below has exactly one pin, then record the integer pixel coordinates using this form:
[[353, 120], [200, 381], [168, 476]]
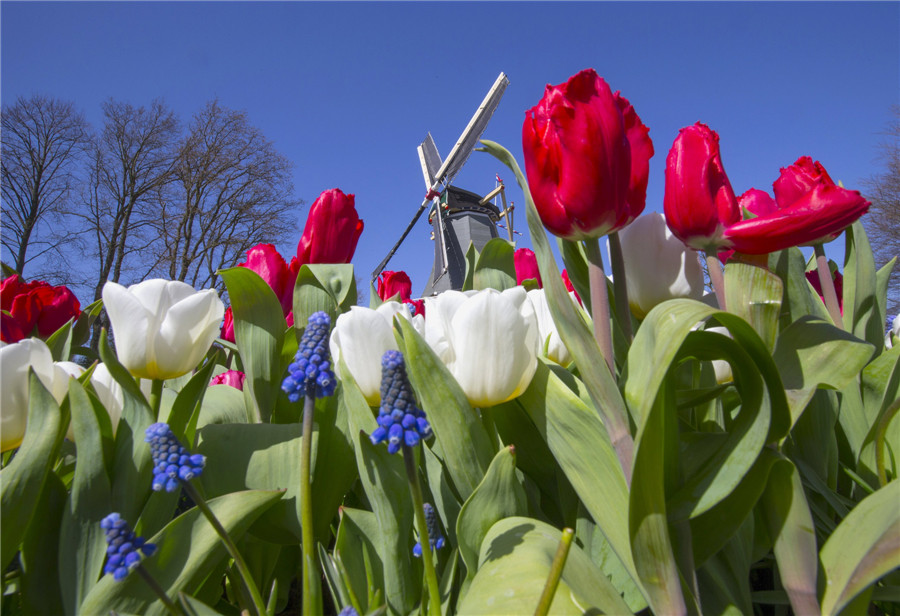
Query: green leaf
[[799, 297], [188, 549], [222, 404], [863, 316], [259, 333], [355, 545], [464, 444], [514, 563], [445, 500], [195, 607], [754, 293], [805, 354], [40, 552], [384, 481], [189, 400], [788, 521], [471, 258], [60, 342], [495, 268], [82, 546], [498, 496], [22, 481], [864, 547], [327, 287]]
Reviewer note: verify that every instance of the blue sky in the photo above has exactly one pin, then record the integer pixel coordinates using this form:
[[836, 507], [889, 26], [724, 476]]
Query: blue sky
[[347, 90]]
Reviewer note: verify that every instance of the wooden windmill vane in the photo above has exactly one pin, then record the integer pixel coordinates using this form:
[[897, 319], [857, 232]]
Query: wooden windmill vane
[[458, 217]]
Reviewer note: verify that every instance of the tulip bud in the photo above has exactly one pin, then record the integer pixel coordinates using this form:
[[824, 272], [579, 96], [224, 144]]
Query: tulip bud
[[361, 338], [578, 158], [266, 261], [232, 378], [699, 202], [162, 328], [35, 305], [658, 266], [798, 179], [394, 283], [332, 230], [487, 339], [551, 344], [526, 266]]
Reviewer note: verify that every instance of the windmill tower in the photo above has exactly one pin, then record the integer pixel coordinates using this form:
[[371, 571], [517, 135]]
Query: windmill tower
[[457, 216]]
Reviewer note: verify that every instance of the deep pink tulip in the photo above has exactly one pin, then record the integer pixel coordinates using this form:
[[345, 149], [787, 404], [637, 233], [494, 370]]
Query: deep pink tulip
[[570, 287], [798, 179], [838, 280], [578, 158], [332, 230], [394, 283], [35, 305], [227, 332], [233, 378], [699, 202], [526, 266], [265, 260]]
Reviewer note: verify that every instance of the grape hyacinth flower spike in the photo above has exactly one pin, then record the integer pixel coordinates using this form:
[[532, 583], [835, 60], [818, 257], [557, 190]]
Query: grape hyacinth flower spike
[[400, 421], [311, 373], [172, 463], [123, 547], [435, 539]]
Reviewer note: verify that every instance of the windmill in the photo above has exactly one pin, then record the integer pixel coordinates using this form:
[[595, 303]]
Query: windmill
[[457, 216]]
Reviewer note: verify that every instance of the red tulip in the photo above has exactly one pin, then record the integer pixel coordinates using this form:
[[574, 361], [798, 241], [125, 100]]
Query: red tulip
[[569, 287], [526, 266], [838, 280], [35, 305], [227, 332], [332, 230], [699, 202], [418, 306], [641, 153], [578, 158], [233, 378], [394, 283], [755, 203], [265, 260], [799, 179]]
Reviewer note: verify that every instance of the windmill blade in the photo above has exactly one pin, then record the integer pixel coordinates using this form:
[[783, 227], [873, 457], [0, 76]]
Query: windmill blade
[[430, 159], [472, 133], [409, 227]]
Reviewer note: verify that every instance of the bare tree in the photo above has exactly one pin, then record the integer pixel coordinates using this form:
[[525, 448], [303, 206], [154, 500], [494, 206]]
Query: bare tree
[[42, 140], [883, 220], [232, 191]]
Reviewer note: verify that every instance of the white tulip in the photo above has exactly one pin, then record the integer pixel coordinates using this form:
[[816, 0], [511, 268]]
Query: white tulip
[[15, 359], [658, 266], [361, 337], [893, 333], [488, 340], [549, 335], [722, 368], [110, 393], [163, 328]]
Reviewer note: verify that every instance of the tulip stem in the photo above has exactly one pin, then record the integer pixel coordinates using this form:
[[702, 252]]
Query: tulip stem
[[827, 284], [620, 286], [156, 387], [258, 603], [434, 593], [311, 596], [714, 266], [600, 302], [556, 569]]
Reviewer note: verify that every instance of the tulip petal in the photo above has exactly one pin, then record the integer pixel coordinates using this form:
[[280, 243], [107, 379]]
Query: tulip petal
[[15, 360], [131, 323], [197, 317]]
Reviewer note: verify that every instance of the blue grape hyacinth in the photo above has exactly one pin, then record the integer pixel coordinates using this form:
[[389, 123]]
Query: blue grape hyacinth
[[123, 547], [171, 461], [400, 421], [434, 533], [310, 373]]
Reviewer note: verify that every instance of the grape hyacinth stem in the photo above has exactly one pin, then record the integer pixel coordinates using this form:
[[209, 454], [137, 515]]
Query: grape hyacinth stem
[[311, 596], [617, 261], [827, 283], [434, 593], [158, 590], [600, 302], [258, 603]]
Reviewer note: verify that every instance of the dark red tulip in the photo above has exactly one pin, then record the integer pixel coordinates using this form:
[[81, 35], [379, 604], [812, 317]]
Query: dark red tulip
[[394, 283], [578, 158], [569, 287], [332, 230], [35, 306], [798, 179], [526, 266], [699, 202], [641, 152]]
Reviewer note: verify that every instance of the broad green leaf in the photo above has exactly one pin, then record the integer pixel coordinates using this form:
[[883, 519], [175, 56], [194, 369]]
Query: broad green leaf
[[82, 546], [805, 354], [222, 404], [355, 546], [572, 328], [189, 401], [754, 294], [258, 332], [789, 523], [514, 562], [880, 388], [327, 287], [22, 481], [466, 449], [41, 574], [799, 297], [445, 500], [495, 268], [195, 607], [724, 581], [576, 268], [498, 496], [384, 481], [864, 547], [188, 548], [863, 315], [60, 342]]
